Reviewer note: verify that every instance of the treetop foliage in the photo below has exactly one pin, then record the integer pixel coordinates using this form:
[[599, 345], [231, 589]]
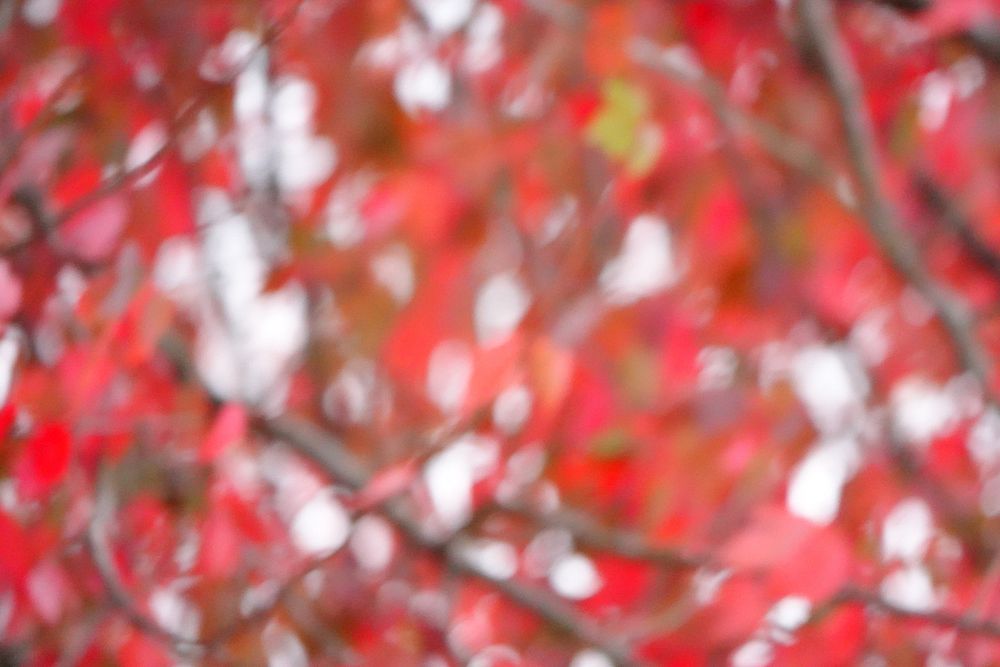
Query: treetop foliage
[[499, 332]]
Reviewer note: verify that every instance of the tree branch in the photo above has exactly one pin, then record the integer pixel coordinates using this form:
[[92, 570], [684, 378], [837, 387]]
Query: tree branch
[[13, 147], [591, 534], [330, 456], [121, 599], [984, 38], [784, 147], [907, 6], [948, 211], [107, 570], [341, 466], [966, 623], [818, 25], [787, 149], [186, 115]]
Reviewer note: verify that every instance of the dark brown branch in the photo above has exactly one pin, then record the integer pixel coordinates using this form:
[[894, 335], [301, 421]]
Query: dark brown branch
[[819, 28], [44, 226], [123, 601], [107, 570], [984, 38], [784, 147], [329, 455], [908, 6], [185, 117], [593, 535], [14, 146], [948, 211], [28, 197], [341, 466], [965, 623]]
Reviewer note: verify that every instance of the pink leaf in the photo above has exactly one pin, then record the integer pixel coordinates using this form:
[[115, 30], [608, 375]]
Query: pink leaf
[[45, 460], [11, 291], [229, 428], [92, 234], [385, 484]]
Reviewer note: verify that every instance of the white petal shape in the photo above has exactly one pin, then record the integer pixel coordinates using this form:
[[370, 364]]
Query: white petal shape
[[828, 381], [818, 480], [372, 542], [910, 588], [645, 265], [445, 16], [907, 531], [423, 85], [448, 373], [575, 577], [501, 303], [321, 526]]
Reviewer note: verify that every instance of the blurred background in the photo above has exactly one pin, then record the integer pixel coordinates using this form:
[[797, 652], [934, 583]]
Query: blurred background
[[499, 332]]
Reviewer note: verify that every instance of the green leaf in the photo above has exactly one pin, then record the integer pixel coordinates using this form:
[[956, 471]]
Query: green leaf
[[613, 443], [620, 127]]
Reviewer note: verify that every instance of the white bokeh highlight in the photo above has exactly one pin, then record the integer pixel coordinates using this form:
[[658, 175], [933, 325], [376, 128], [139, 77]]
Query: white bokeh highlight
[[423, 85], [817, 482], [910, 588], [574, 576], [501, 303], [444, 16], [449, 371], [829, 382], [645, 265], [321, 526], [907, 531], [451, 474], [372, 543]]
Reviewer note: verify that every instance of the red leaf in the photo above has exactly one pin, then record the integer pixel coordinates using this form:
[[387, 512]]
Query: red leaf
[[8, 414], [835, 640], [173, 191], [817, 570], [45, 459], [27, 107], [14, 556], [11, 291], [738, 610], [221, 544], [385, 484], [141, 651], [88, 23], [679, 356], [609, 26], [795, 556], [771, 539], [92, 234], [229, 428], [625, 584], [582, 107]]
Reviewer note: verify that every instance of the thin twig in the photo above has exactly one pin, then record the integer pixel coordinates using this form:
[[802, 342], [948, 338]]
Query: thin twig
[[818, 24], [784, 147], [949, 212], [186, 115], [329, 455], [967, 623], [107, 570], [621, 543], [14, 146], [121, 599]]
